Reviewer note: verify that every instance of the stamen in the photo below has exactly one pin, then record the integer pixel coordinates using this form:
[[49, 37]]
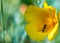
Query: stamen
[[44, 28]]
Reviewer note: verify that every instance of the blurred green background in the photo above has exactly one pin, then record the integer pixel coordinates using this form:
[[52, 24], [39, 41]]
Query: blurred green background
[[12, 21]]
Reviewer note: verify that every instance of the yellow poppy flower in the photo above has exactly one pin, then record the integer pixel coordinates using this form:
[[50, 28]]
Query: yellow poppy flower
[[41, 22]]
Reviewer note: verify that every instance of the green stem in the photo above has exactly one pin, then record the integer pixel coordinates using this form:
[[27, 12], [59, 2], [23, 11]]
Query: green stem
[[2, 19]]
